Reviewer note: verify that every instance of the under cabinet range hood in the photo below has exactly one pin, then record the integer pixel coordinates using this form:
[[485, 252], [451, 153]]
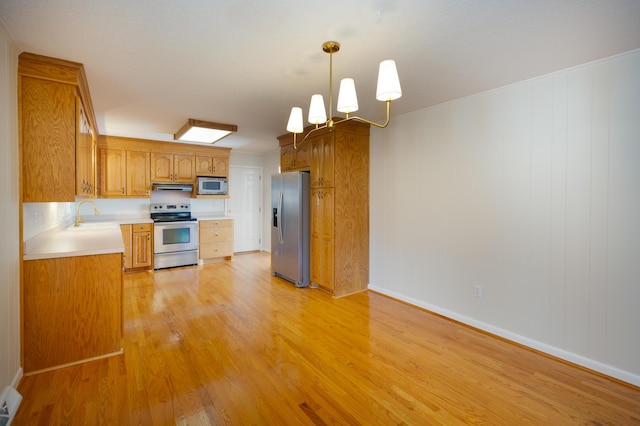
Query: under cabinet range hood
[[172, 187]]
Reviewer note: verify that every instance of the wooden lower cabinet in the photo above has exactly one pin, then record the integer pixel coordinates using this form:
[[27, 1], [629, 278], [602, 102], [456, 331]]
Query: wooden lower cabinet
[[138, 246], [216, 239], [72, 310], [321, 262]]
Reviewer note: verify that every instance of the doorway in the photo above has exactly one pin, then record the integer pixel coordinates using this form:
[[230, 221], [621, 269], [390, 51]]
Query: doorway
[[245, 205]]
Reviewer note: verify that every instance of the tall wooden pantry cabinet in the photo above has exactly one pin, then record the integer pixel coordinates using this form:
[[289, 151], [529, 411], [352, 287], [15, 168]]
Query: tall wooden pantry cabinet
[[339, 167]]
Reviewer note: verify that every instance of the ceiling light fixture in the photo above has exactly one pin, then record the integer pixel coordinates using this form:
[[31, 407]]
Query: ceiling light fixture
[[203, 131], [388, 90]]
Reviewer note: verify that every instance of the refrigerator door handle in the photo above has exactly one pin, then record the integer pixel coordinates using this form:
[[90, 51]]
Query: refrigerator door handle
[[280, 233]]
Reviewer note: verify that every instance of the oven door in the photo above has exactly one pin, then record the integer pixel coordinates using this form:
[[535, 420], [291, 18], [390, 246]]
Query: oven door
[[170, 237]]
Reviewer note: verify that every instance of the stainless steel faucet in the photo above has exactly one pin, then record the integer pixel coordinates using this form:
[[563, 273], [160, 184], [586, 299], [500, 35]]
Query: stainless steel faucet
[[95, 211]]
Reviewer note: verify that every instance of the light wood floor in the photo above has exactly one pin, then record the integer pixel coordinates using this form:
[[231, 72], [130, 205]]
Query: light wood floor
[[228, 343]]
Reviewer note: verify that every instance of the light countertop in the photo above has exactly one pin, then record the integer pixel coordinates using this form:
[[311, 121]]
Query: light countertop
[[88, 239], [209, 216], [91, 237]]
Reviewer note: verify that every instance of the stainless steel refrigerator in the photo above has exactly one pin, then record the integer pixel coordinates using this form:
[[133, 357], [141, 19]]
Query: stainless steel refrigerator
[[290, 227]]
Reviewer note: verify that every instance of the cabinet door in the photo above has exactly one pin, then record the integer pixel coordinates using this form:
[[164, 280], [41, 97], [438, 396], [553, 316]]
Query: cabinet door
[[204, 166], [286, 158], [161, 167], [48, 127], [322, 237], [72, 310], [138, 174], [184, 168], [302, 158], [112, 172], [220, 166], [141, 248], [85, 178], [322, 170]]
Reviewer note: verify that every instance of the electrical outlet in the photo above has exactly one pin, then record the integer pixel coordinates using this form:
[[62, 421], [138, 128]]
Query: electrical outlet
[[477, 291]]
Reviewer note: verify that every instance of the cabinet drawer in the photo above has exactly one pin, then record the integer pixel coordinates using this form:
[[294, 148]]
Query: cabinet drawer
[[211, 250], [139, 227], [216, 223], [213, 235]]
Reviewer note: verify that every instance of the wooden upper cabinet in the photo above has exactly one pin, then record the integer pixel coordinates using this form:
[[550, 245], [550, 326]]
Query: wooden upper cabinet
[[56, 119], [138, 171], [113, 163], [212, 166], [173, 168], [322, 160], [184, 168], [204, 166], [85, 154], [124, 173], [295, 159], [221, 166], [48, 140], [161, 167], [146, 162], [286, 158]]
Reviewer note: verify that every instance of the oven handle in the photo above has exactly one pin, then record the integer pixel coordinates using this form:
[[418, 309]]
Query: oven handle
[[175, 224]]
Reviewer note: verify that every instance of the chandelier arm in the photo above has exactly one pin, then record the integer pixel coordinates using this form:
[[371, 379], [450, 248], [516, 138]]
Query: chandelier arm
[[364, 120], [297, 144], [347, 118]]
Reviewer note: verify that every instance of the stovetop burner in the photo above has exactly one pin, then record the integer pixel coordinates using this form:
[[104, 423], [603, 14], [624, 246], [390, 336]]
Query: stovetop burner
[[171, 213]]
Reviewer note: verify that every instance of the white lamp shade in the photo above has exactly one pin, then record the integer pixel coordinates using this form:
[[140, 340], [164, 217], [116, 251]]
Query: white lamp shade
[[295, 121], [347, 98], [317, 113], [388, 82]]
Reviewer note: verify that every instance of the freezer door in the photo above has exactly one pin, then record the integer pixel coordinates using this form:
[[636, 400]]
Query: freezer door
[[290, 227], [276, 238]]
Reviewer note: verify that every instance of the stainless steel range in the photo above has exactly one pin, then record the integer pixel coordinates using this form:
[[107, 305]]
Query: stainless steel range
[[175, 235]]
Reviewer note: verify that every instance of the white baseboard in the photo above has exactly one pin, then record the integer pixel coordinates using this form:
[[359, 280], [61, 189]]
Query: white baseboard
[[571, 357], [17, 378]]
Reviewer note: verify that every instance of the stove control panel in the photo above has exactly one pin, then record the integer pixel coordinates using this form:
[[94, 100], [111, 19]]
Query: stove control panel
[[170, 208]]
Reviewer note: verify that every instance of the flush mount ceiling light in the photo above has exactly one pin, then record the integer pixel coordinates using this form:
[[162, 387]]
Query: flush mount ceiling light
[[387, 91], [203, 131]]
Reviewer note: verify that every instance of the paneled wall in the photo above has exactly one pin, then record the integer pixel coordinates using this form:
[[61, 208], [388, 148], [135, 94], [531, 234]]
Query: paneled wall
[[531, 192]]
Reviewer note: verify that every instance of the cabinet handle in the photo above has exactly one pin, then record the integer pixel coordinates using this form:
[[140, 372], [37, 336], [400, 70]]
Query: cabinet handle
[[123, 190]]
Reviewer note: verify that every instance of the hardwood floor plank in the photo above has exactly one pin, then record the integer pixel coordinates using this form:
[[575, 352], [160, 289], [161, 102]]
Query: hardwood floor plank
[[227, 343]]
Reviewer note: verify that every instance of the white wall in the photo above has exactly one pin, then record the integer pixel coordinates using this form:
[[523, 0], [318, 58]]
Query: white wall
[[270, 163], [10, 371], [531, 191]]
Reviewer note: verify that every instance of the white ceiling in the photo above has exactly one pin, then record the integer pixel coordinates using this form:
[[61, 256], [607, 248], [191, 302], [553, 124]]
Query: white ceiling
[[151, 64]]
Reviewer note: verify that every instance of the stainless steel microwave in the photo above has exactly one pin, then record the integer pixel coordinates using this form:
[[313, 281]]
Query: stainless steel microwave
[[208, 185]]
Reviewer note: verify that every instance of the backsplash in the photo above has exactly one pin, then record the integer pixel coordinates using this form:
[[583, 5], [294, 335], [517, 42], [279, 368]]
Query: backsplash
[[41, 217]]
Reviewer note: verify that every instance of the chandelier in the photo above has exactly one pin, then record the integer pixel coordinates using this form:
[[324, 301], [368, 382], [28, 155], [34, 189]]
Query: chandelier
[[388, 90]]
